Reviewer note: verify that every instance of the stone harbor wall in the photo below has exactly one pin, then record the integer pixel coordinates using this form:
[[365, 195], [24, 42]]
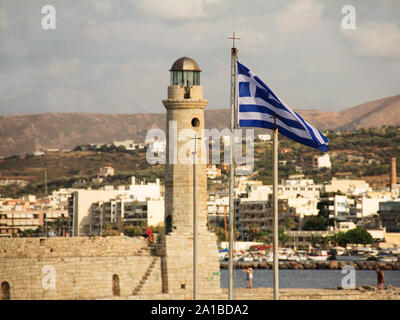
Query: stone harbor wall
[[78, 268], [178, 263]]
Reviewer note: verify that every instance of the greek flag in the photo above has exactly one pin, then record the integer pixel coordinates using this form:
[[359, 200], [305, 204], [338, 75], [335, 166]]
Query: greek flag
[[258, 105]]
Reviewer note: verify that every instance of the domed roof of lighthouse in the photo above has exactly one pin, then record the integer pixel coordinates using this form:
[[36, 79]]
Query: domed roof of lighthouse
[[185, 64]]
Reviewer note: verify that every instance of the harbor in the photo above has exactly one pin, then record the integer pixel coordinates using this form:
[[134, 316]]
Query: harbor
[[308, 265], [361, 258]]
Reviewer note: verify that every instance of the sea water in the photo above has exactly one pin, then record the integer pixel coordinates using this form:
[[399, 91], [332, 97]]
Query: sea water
[[313, 279]]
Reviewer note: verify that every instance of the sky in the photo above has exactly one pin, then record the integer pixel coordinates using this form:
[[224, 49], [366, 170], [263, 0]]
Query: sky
[[114, 56]]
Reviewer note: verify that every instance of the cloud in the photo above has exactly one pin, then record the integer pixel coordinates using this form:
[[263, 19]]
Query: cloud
[[376, 40], [67, 100], [114, 55], [63, 68], [174, 9], [3, 19], [299, 16]]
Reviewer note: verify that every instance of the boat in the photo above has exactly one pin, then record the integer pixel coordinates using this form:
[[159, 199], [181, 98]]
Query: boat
[[282, 257], [339, 250], [293, 257], [318, 256], [268, 257], [302, 258], [246, 258], [361, 254], [388, 259], [366, 250], [395, 251], [355, 257]]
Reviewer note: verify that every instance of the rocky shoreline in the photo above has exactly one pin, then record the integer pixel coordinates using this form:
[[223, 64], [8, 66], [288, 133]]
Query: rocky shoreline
[[309, 265]]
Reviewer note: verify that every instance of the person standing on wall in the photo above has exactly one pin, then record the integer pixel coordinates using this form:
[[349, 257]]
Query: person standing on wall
[[249, 277], [381, 277]]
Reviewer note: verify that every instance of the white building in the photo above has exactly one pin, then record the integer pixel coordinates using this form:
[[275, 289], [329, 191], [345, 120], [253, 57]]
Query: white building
[[345, 226], [218, 210], [301, 194], [128, 144], [142, 191], [106, 171], [213, 172], [81, 202], [138, 213], [322, 162], [350, 187], [264, 137]]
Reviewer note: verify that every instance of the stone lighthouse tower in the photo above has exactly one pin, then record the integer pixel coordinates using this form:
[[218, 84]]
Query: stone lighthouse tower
[[185, 120]]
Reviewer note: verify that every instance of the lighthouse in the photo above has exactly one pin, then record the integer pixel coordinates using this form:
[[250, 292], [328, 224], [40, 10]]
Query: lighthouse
[[185, 131]]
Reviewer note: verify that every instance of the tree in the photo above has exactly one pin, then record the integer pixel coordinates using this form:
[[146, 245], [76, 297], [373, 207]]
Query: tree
[[109, 231], [337, 239], [133, 231], [220, 232], [315, 239], [257, 234], [283, 237], [359, 236], [315, 224], [290, 223]]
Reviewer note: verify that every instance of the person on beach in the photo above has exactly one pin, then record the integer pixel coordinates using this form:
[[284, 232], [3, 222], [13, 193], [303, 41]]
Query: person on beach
[[249, 277], [381, 277]]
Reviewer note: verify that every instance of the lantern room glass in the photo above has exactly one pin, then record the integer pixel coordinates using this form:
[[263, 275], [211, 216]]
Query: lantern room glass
[[185, 78]]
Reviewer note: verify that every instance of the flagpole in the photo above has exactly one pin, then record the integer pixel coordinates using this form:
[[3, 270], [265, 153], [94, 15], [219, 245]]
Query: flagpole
[[231, 294], [275, 206]]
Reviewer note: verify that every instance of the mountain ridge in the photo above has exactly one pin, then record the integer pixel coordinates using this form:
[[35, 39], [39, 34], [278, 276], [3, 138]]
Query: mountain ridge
[[27, 133]]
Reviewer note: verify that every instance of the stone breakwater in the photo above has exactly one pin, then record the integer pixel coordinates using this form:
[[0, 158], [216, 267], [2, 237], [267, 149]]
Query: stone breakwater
[[332, 265]]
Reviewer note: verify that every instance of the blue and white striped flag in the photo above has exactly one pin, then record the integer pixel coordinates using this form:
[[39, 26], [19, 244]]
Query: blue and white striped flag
[[258, 105]]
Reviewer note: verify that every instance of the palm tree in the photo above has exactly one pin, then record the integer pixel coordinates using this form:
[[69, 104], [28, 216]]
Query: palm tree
[[315, 239]]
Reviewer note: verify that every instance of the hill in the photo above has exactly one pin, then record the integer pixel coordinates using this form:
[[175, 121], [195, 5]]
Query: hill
[[22, 134], [362, 154]]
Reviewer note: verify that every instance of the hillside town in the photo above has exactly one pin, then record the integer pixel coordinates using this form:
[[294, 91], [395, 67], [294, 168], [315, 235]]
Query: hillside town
[[306, 208]]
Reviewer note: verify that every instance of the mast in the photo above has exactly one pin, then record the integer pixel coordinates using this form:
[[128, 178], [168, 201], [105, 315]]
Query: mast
[[231, 295], [275, 206]]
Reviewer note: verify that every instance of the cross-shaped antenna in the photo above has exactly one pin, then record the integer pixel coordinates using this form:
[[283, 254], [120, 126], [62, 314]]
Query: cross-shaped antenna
[[195, 143], [275, 117], [233, 38]]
